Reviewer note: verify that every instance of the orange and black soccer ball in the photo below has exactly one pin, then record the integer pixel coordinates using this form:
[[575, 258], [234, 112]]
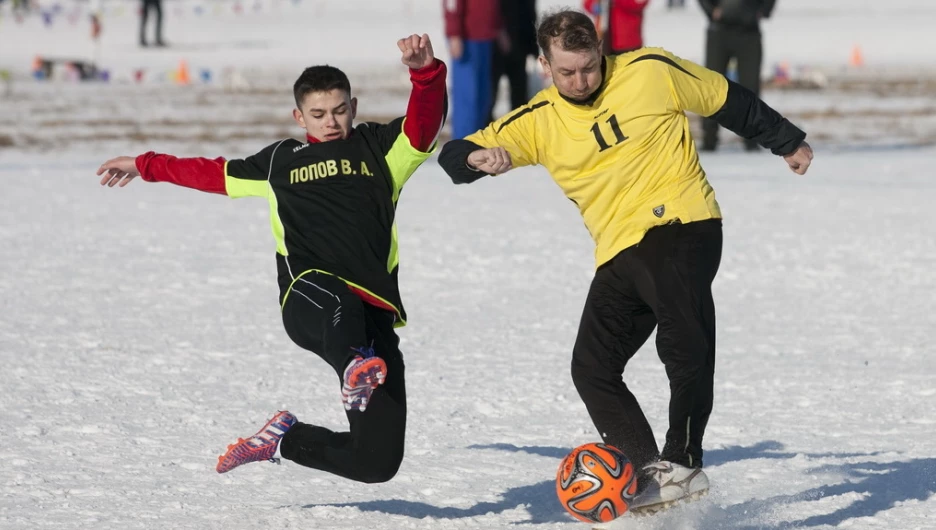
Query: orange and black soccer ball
[[596, 483]]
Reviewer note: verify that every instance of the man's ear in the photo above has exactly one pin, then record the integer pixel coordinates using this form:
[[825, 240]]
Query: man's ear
[[353, 108], [544, 62], [298, 117]]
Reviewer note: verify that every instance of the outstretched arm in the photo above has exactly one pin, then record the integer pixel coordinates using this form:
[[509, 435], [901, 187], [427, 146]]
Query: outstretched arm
[[708, 93], [750, 117], [234, 178], [427, 108], [203, 174], [465, 161], [507, 143]]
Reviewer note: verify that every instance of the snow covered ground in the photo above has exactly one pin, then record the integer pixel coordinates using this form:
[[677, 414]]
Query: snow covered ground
[[139, 330]]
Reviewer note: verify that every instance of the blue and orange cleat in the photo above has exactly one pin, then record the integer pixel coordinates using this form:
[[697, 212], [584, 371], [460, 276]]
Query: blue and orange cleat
[[363, 374], [261, 446]]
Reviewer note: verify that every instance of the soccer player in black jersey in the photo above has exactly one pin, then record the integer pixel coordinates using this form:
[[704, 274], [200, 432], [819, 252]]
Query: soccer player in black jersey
[[332, 202]]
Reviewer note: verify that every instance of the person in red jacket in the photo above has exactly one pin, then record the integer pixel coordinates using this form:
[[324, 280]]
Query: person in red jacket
[[473, 28], [622, 24], [332, 200]]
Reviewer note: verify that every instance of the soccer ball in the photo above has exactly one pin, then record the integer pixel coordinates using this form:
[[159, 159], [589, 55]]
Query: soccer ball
[[595, 483]]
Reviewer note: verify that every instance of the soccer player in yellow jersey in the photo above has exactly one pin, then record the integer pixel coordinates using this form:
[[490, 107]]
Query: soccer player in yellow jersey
[[613, 133]]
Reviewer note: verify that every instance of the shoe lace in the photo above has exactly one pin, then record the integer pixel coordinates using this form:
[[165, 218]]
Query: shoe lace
[[366, 352], [659, 468]]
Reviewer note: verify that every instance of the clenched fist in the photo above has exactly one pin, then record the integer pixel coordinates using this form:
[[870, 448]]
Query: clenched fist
[[800, 159], [417, 51], [493, 161]]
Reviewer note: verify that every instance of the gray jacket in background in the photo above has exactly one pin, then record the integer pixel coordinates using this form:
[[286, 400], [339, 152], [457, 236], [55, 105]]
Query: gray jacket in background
[[737, 14]]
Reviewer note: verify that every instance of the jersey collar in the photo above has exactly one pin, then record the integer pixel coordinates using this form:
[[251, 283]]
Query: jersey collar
[[309, 138]]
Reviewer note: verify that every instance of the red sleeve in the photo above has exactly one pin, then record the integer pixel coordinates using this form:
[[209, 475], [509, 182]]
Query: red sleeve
[[425, 113], [202, 174], [454, 17]]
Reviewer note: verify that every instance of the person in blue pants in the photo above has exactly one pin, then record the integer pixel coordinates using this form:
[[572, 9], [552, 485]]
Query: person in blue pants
[[473, 28]]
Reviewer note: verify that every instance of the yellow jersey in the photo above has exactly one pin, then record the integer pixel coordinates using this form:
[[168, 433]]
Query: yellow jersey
[[627, 158]]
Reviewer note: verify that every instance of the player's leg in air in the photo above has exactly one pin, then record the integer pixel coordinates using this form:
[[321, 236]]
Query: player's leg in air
[[358, 340]]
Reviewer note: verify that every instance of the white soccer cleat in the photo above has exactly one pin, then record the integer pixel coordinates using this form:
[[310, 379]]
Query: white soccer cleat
[[669, 484]]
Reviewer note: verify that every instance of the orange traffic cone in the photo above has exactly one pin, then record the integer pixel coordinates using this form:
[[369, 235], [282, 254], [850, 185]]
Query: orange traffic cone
[[182, 73], [857, 59]]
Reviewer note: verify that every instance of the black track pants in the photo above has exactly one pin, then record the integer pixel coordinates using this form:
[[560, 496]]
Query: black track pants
[[747, 49], [323, 316], [664, 281]]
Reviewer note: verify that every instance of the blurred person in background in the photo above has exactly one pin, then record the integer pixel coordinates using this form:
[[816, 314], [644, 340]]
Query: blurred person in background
[[22, 6], [473, 28], [734, 33], [624, 19], [517, 42], [154, 5]]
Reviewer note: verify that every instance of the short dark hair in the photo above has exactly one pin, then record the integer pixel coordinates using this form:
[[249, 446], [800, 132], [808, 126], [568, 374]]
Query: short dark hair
[[323, 78], [572, 30]]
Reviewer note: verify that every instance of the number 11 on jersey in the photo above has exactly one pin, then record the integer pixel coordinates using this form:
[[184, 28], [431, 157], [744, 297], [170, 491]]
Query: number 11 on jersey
[[615, 128]]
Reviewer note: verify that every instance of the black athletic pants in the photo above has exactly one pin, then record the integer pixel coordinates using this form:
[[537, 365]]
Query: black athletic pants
[[155, 5], [323, 316], [513, 65], [745, 47], [663, 281]]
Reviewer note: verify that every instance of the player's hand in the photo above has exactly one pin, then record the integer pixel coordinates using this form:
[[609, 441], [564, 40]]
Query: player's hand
[[800, 159], [417, 51], [120, 170], [456, 47], [493, 161]]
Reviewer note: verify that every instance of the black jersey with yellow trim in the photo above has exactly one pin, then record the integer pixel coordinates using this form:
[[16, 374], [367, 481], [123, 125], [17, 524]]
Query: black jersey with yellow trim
[[333, 205]]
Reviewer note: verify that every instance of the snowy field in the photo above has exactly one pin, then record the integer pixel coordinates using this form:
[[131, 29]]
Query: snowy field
[[140, 331]]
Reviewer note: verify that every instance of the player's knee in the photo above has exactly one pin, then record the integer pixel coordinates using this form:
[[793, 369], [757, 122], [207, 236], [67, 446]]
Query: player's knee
[[376, 470], [686, 353], [690, 364], [585, 374]]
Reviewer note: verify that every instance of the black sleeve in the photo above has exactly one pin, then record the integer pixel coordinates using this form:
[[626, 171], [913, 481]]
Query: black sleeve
[[454, 160], [257, 166], [748, 116], [708, 6], [767, 8]]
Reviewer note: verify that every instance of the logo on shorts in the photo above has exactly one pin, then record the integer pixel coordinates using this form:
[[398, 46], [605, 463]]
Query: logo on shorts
[[658, 211]]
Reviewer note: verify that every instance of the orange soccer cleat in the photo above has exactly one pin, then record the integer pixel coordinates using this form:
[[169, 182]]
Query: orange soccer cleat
[[260, 446], [363, 374]]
